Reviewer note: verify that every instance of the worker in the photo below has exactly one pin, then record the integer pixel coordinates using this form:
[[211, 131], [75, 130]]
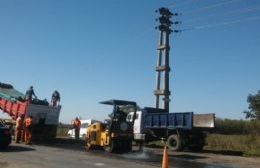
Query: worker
[[55, 99], [77, 125], [28, 130], [29, 94], [18, 129]]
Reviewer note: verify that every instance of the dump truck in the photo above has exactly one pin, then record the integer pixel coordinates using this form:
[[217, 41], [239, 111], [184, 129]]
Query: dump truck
[[45, 117], [116, 134], [181, 130]]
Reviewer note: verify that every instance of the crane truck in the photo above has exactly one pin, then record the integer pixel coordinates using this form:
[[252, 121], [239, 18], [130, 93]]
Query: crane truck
[[45, 117]]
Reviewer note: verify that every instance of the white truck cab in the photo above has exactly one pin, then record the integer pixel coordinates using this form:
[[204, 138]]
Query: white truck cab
[[138, 125], [83, 128]]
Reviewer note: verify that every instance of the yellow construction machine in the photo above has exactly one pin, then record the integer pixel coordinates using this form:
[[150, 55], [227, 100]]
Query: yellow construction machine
[[116, 134]]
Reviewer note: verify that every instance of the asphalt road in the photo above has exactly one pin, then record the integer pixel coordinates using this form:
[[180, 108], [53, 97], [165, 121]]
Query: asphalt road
[[67, 155]]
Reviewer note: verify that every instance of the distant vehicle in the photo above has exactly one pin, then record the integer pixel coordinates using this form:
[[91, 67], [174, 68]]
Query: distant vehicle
[[83, 129], [5, 135]]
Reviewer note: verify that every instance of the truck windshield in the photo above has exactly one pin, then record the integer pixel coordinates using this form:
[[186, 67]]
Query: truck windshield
[[84, 125], [126, 108]]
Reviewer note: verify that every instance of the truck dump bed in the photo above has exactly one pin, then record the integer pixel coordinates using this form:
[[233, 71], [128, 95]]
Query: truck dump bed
[[45, 117], [204, 120], [10, 102], [169, 120], [179, 120]]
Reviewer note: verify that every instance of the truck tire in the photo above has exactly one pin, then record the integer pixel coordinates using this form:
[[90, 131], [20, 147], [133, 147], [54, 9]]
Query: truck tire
[[127, 147], [111, 147], [88, 146], [174, 143], [196, 148], [197, 145], [140, 145], [4, 147]]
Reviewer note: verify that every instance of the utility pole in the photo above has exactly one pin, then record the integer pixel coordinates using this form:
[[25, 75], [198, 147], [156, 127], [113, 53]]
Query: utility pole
[[163, 68]]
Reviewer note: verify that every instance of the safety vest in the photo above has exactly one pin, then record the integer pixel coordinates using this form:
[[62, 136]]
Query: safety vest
[[19, 122], [77, 124], [28, 122]]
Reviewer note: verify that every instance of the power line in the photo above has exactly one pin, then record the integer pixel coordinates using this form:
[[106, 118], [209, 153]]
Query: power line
[[222, 23], [175, 5], [245, 10], [240, 11], [211, 6]]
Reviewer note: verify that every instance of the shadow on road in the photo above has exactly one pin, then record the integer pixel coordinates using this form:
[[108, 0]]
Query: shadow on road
[[188, 156], [64, 143], [15, 148]]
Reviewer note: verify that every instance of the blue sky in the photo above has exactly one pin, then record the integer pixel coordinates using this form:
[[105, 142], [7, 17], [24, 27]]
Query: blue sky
[[94, 50]]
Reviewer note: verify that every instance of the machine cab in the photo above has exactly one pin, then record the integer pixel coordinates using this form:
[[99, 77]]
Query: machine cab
[[118, 118]]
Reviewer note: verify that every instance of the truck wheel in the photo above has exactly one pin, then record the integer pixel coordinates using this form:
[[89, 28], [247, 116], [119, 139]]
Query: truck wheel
[[140, 146], [197, 145], [127, 146], [174, 143], [196, 148], [111, 147], [88, 145], [4, 147]]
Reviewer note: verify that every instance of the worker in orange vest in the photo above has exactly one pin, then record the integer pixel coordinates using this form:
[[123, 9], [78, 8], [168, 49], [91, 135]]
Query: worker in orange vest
[[28, 130], [18, 129], [77, 125]]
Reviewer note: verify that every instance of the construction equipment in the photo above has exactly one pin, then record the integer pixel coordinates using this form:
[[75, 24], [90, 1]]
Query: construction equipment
[[45, 117], [181, 130], [116, 134]]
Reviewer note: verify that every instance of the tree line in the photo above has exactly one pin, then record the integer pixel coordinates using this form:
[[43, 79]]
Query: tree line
[[242, 127]]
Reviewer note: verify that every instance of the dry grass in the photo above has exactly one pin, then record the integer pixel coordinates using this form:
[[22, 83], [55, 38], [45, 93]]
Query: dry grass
[[249, 145]]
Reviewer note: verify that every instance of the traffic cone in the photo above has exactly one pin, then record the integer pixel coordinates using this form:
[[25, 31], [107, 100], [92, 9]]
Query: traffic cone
[[165, 158]]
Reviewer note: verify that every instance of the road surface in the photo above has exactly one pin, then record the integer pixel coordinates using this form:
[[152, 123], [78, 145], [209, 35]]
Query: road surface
[[73, 155]]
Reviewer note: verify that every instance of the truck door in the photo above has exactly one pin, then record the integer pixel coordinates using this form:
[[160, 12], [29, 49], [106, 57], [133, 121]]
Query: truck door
[[137, 123]]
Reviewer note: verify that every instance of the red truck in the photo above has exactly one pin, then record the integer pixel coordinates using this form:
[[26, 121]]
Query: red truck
[[45, 117]]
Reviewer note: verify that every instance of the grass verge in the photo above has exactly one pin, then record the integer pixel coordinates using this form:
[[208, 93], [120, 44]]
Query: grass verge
[[248, 145]]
